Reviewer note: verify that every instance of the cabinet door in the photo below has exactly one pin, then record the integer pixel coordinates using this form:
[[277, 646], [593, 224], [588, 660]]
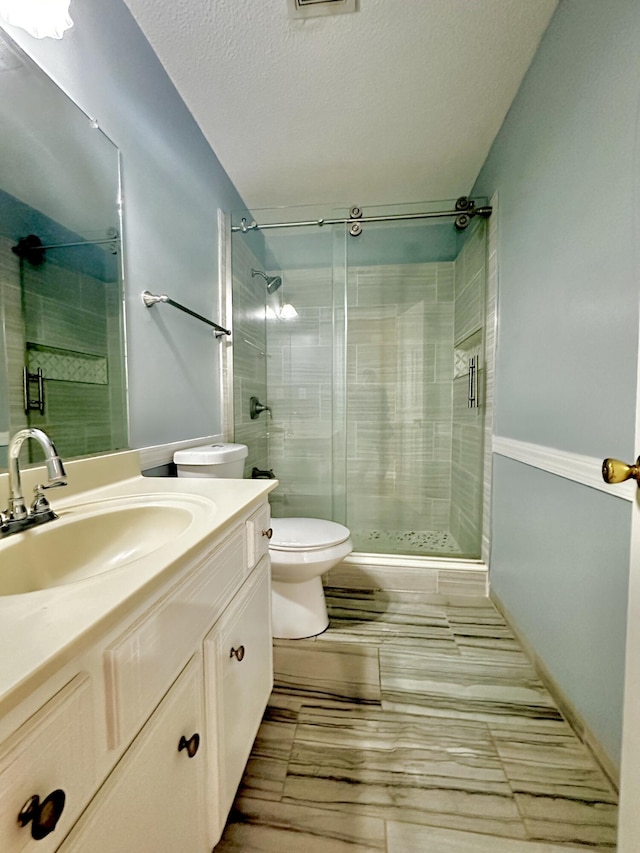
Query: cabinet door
[[258, 535], [238, 679], [154, 798], [49, 762]]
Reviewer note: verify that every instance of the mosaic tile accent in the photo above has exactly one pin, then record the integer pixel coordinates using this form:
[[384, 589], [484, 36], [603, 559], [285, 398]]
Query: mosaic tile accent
[[470, 755], [461, 360], [406, 541], [67, 366]]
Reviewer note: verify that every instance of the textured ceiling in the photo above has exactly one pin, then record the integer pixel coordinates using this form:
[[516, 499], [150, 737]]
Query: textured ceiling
[[397, 102]]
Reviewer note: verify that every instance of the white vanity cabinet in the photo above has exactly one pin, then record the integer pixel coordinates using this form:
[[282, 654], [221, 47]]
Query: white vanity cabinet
[[150, 733], [155, 798]]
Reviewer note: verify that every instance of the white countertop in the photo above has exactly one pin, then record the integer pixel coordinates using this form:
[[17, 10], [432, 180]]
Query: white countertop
[[41, 630]]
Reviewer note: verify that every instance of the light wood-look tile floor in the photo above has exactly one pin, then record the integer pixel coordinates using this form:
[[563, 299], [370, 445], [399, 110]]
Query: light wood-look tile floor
[[416, 724]]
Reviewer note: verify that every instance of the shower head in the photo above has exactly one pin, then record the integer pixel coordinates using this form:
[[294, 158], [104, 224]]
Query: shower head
[[273, 281]]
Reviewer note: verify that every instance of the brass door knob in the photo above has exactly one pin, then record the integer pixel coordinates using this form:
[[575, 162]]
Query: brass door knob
[[615, 471], [268, 533], [238, 653]]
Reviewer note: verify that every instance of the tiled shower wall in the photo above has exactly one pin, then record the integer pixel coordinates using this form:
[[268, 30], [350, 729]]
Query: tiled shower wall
[[299, 379], [468, 423], [249, 353], [399, 381], [12, 350], [75, 313]]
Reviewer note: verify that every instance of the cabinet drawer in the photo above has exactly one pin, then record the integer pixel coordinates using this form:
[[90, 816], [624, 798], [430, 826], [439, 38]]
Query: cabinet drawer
[[54, 750], [145, 659], [239, 678], [258, 526], [154, 798]]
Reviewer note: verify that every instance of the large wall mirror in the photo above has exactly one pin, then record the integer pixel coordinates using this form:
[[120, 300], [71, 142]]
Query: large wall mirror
[[62, 365]]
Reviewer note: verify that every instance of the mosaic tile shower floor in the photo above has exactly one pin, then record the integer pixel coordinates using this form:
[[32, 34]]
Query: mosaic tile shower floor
[[405, 541], [416, 724]]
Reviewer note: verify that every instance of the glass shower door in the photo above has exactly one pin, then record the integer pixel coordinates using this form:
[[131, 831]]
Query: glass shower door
[[415, 310], [367, 374]]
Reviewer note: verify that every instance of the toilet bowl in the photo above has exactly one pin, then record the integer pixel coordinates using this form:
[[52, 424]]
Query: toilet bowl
[[301, 550]]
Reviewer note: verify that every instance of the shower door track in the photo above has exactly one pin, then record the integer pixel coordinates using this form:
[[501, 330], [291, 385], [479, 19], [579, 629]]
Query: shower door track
[[464, 211]]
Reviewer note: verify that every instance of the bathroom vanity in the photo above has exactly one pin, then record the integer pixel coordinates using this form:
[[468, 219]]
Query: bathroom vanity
[[130, 696]]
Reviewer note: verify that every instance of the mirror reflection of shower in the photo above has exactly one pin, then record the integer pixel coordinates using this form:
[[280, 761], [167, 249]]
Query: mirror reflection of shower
[[285, 310]]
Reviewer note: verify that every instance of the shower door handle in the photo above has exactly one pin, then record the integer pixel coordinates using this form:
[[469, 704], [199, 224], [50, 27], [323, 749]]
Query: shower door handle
[[472, 396], [615, 471], [33, 403]]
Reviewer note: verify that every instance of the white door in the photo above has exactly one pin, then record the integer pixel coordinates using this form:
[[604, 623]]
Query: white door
[[629, 816]]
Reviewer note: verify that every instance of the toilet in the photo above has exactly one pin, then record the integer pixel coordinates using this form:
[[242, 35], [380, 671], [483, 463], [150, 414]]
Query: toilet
[[222, 460], [301, 549]]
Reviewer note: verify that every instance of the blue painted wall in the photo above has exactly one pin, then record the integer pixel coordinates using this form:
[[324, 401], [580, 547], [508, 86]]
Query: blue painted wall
[[564, 168]]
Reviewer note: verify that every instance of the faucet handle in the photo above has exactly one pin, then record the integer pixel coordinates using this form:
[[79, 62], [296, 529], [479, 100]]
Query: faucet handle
[[40, 505]]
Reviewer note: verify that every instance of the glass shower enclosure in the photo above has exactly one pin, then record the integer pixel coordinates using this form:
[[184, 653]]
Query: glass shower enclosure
[[370, 356]]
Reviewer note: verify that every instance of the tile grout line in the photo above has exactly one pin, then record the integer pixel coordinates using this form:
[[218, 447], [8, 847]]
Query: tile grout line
[[509, 782]]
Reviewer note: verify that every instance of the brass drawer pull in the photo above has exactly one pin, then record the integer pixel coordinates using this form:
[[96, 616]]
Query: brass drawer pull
[[268, 533], [44, 815], [190, 745], [238, 653]]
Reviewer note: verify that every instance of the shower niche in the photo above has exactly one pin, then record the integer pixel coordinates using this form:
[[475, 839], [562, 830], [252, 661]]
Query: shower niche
[[376, 387]]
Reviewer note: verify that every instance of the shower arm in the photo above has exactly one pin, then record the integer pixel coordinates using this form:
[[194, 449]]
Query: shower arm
[[150, 299]]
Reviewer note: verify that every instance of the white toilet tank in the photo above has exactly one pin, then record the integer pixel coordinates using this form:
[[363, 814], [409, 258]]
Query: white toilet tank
[[212, 460]]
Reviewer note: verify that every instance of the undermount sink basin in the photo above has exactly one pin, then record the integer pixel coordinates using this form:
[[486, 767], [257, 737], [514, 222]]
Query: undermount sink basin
[[89, 539]]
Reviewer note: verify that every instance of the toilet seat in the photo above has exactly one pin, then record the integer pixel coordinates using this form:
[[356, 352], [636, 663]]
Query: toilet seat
[[306, 534]]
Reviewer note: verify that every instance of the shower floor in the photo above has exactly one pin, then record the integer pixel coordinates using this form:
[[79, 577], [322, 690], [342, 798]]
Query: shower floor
[[405, 541]]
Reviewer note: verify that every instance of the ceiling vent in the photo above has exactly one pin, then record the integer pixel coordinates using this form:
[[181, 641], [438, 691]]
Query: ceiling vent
[[316, 8]]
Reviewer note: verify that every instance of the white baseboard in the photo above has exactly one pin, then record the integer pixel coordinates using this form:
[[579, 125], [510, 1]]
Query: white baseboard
[[567, 708]]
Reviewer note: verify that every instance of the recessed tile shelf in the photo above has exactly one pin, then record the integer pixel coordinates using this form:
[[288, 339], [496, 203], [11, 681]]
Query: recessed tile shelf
[[66, 365]]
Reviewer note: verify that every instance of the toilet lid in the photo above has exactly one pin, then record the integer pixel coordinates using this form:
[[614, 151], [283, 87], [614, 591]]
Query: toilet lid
[[290, 534], [210, 454]]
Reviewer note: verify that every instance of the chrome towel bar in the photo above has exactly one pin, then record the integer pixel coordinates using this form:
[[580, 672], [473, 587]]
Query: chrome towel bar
[[150, 299]]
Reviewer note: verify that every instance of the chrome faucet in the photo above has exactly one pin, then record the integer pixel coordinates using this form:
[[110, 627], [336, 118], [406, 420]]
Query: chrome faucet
[[17, 517]]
